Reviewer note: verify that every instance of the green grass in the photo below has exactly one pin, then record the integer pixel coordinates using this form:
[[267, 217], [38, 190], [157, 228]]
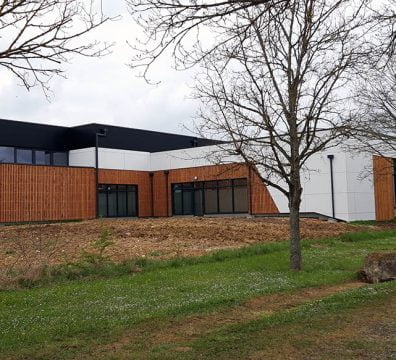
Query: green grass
[[88, 270], [85, 312], [373, 222], [239, 341]]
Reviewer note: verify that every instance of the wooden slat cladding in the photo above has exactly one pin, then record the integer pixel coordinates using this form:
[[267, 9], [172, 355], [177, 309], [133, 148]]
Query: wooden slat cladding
[[139, 178], [261, 199], [262, 202], [45, 193], [383, 188]]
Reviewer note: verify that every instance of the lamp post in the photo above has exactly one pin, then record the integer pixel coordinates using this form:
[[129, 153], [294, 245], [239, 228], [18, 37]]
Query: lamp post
[[100, 133]]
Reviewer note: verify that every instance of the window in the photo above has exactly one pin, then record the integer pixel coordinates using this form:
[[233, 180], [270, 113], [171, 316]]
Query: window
[[117, 200], [24, 156], [42, 157], [241, 204], [225, 196], [9, 154], [60, 159], [210, 197], [6, 154], [177, 200]]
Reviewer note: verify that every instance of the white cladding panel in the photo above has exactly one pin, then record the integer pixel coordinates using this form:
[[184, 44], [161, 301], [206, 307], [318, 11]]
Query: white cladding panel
[[111, 159], [353, 186], [82, 157]]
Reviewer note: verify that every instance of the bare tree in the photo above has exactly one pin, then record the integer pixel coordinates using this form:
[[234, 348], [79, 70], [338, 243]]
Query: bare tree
[[374, 121], [180, 27], [386, 15], [37, 37], [275, 82]]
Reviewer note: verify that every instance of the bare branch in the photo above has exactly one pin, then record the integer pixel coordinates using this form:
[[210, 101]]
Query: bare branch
[[39, 36]]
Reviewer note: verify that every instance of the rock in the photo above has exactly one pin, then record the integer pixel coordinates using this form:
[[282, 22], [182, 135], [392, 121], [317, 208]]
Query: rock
[[378, 267]]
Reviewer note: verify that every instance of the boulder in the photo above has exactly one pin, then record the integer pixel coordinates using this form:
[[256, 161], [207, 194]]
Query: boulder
[[378, 267]]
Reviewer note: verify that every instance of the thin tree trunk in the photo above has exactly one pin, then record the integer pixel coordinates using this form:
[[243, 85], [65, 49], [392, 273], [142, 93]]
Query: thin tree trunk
[[294, 221]]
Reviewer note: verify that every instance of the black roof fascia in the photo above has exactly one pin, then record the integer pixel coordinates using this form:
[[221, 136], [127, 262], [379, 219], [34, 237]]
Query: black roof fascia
[[132, 139], [31, 135], [50, 137]]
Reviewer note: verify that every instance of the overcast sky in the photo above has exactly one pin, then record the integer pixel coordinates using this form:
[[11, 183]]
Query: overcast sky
[[105, 90]]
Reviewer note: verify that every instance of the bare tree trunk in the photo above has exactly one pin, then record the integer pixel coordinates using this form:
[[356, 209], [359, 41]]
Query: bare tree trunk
[[294, 221]]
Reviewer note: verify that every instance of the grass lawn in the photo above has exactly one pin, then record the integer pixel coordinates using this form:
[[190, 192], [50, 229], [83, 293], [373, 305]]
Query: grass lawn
[[90, 319]]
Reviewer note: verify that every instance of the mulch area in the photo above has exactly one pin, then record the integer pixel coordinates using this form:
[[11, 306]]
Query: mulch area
[[37, 245]]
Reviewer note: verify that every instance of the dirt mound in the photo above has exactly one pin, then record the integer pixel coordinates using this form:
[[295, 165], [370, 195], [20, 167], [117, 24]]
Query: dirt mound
[[36, 245]]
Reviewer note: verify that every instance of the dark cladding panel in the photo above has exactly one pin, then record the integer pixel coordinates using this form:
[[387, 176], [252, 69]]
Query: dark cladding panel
[[30, 135], [59, 138], [131, 139]]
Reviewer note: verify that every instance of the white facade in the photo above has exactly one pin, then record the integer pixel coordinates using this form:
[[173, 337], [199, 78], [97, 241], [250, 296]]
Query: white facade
[[353, 180]]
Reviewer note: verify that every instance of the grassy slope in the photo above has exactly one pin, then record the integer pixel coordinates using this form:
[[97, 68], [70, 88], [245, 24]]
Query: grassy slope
[[81, 313], [323, 329]]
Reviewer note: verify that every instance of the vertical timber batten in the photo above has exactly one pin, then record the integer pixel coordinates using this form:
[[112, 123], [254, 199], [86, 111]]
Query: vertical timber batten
[[46, 193], [383, 188]]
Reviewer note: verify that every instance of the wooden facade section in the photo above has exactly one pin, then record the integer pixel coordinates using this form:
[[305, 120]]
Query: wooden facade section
[[383, 188], [50, 193], [45, 193], [261, 199]]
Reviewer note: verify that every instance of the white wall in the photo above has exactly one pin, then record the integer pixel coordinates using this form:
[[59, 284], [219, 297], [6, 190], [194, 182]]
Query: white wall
[[82, 157], [137, 160], [111, 159], [353, 186], [360, 182]]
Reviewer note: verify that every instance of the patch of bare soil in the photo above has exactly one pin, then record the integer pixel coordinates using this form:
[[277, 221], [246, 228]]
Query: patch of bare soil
[[192, 327], [37, 245]]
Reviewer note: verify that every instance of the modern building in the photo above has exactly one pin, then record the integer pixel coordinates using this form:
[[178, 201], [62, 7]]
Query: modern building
[[60, 173]]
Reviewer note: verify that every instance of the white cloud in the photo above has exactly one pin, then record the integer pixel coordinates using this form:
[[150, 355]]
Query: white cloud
[[105, 90]]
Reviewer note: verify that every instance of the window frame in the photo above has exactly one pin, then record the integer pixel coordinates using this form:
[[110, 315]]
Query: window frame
[[34, 150], [200, 186], [130, 188]]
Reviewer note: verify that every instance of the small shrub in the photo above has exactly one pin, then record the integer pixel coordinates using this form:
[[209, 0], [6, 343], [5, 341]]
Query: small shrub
[[100, 245]]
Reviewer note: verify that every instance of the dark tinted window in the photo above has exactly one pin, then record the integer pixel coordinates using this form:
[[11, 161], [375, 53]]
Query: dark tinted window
[[117, 200], [177, 202], [102, 204], [210, 197], [122, 203], [42, 157], [60, 158], [24, 156], [6, 154], [188, 205], [240, 199], [211, 200], [225, 199], [112, 204]]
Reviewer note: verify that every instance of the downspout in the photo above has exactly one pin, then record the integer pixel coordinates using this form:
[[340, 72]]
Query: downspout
[[152, 192], [331, 158], [250, 190], [101, 133], [166, 172]]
